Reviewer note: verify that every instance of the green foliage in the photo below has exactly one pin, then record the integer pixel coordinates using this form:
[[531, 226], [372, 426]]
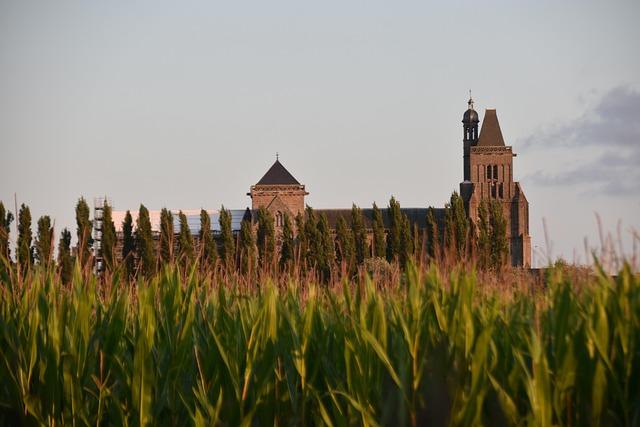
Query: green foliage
[[395, 230], [166, 236], [24, 249], [498, 235], [208, 247], [247, 249], [227, 249], [128, 245], [266, 238], [181, 350], [301, 241], [319, 243], [345, 246], [108, 238], [144, 243], [456, 227], [483, 241], [433, 236], [406, 248], [287, 245], [44, 241], [359, 234], [327, 248], [379, 244], [6, 218], [185, 242], [65, 261], [311, 239], [83, 231]]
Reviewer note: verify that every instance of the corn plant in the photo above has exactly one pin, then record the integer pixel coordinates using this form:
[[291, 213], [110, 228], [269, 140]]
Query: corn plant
[[433, 347]]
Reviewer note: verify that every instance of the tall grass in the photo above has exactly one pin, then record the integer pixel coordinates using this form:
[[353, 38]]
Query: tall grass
[[428, 347]]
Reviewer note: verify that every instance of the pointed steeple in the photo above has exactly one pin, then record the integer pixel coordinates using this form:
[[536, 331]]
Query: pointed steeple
[[490, 133], [278, 175]]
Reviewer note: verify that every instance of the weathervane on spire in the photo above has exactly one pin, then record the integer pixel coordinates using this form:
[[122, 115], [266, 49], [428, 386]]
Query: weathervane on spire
[[470, 100], [277, 157]]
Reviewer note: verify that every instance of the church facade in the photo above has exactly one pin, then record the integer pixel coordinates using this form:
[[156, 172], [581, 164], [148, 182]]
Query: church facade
[[487, 175]]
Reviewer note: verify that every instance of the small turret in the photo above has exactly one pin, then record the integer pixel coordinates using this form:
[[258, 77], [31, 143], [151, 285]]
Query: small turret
[[470, 136]]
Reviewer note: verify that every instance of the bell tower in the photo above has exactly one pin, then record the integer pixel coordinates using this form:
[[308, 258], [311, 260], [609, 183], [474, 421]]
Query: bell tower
[[488, 176]]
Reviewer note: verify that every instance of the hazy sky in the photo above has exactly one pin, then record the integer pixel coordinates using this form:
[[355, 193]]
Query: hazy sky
[[184, 104]]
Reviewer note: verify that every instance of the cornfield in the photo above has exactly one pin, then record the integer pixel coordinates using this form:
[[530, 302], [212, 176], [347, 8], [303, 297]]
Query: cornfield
[[431, 348]]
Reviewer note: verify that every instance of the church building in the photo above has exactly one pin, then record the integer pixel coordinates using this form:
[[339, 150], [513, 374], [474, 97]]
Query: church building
[[487, 175]]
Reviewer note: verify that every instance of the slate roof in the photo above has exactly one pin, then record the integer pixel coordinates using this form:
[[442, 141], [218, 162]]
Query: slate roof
[[193, 219], [278, 175], [490, 134], [416, 216]]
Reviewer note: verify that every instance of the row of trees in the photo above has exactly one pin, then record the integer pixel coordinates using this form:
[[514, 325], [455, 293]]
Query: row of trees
[[40, 250], [307, 240]]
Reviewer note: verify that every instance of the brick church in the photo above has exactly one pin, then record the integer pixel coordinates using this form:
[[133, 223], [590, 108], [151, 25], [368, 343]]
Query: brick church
[[487, 174]]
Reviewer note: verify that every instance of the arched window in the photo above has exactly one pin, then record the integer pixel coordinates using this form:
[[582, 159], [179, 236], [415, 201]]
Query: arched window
[[493, 190], [278, 219], [495, 171], [489, 172], [501, 191]]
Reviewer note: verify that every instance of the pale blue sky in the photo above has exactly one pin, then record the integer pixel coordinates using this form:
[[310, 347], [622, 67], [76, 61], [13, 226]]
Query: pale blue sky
[[184, 104]]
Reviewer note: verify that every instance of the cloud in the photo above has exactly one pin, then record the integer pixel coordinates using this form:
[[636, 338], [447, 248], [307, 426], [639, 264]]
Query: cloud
[[614, 121], [611, 127]]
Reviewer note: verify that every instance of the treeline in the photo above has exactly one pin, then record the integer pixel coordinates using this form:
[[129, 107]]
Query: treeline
[[306, 242]]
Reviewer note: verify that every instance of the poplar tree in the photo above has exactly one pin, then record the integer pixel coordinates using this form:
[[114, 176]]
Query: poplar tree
[[461, 224], [311, 237], [44, 240], [406, 243], [326, 253], [108, 238], [185, 242], [6, 218], [417, 238], [166, 236], [395, 224], [498, 236], [359, 233], [456, 227], [144, 243], [24, 249], [378, 233], [287, 247], [449, 230], [483, 243], [247, 250], [266, 238], [128, 245], [433, 236], [345, 251], [227, 249], [83, 231], [208, 249], [301, 241], [65, 262]]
